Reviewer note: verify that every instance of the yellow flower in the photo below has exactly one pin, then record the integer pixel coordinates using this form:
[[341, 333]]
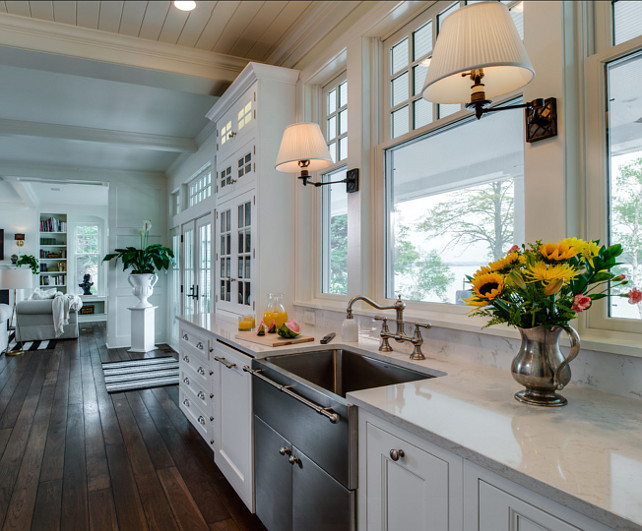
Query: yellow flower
[[558, 251], [588, 250], [488, 285], [553, 286], [507, 261], [540, 271], [472, 301]]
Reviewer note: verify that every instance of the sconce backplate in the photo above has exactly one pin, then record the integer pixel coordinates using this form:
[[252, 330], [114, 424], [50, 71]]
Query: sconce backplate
[[541, 122]]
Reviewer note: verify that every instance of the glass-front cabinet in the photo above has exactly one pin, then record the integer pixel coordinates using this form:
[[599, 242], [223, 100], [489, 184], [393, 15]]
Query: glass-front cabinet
[[254, 202]]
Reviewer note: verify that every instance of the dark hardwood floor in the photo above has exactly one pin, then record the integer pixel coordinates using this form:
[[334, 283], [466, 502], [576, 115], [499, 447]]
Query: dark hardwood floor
[[73, 456]]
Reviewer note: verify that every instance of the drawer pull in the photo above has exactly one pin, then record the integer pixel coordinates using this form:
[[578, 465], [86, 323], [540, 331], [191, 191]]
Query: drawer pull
[[199, 345], [211, 395], [186, 402], [201, 371], [185, 337], [186, 359], [293, 459], [186, 380], [396, 454], [225, 362], [285, 451], [201, 420], [201, 395]]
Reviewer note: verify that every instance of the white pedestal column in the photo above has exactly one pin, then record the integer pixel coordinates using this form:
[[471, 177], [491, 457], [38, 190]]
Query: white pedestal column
[[143, 329]]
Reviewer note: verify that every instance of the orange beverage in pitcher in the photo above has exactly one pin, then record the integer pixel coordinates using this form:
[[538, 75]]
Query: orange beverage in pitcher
[[280, 316]]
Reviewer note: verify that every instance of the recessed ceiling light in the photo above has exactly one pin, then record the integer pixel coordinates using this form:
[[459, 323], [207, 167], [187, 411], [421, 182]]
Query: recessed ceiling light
[[55, 189], [185, 5]]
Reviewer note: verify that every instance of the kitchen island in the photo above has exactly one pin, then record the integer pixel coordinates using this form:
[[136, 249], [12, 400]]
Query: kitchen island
[[586, 457]]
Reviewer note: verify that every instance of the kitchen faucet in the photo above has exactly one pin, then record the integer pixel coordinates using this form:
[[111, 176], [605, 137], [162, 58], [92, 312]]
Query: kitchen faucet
[[416, 340]]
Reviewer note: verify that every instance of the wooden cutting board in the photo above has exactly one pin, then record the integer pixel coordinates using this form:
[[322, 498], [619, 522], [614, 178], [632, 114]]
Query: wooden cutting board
[[272, 340]]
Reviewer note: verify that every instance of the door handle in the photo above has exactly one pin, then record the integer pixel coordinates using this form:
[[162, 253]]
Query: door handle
[[225, 362]]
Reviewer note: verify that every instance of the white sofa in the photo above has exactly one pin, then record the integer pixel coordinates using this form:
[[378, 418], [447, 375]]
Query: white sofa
[[36, 321], [5, 315]]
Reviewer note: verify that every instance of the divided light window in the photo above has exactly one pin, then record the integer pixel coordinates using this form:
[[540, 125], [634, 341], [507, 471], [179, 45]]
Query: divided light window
[[334, 199], [88, 254], [454, 201], [200, 188], [627, 20], [408, 56]]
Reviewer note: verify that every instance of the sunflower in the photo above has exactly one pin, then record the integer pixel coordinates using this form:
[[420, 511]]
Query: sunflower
[[540, 271], [472, 301], [505, 262], [488, 285], [558, 251]]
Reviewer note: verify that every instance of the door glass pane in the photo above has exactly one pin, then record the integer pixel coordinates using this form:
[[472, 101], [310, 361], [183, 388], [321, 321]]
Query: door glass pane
[[205, 267], [624, 78], [188, 270], [248, 214]]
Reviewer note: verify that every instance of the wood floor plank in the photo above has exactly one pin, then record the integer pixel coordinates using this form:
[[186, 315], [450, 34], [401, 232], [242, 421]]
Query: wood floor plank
[[129, 508], [23, 498], [225, 525], [97, 470], [181, 501], [54, 457], [4, 438], [12, 400], [102, 512], [46, 514], [75, 512], [12, 456]]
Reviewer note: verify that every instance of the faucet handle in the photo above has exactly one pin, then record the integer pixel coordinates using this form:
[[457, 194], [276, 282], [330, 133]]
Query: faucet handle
[[380, 318], [422, 325]]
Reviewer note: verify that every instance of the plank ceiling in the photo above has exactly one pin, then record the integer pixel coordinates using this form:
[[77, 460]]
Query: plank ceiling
[[249, 29]]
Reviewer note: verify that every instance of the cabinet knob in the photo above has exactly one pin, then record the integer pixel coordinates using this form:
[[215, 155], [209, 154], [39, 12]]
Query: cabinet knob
[[293, 459], [186, 380], [201, 371], [201, 395], [186, 402], [396, 454], [201, 420], [285, 451], [185, 337], [186, 359], [199, 345]]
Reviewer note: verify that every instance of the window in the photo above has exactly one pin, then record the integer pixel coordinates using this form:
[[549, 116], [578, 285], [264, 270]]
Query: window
[[88, 254], [614, 115], [334, 235], [409, 52], [336, 119], [226, 132], [454, 201], [624, 77], [200, 188]]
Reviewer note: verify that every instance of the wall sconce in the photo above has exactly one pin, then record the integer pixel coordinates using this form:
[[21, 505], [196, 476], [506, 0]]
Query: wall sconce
[[303, 149], [480, 44], [20, 239]]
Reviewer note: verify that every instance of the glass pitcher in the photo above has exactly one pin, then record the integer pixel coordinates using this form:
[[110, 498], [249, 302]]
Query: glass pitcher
[[280, 315]]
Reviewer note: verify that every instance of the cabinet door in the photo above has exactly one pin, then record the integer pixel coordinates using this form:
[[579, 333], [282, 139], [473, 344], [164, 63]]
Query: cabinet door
[[237, 173], [499, 511], [236, 255], [237, 124], [233, 420], [319, 502], [273, 475], [409, 492]]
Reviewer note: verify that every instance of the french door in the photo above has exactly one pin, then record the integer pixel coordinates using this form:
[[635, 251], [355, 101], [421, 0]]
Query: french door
[[197, 265]]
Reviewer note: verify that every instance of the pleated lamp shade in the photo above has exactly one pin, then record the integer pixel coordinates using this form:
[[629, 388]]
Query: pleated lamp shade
[[303, 141], [477, 36], [16, 278]]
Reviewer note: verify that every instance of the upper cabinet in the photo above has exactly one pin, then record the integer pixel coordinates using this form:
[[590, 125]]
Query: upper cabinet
[[254, 202]]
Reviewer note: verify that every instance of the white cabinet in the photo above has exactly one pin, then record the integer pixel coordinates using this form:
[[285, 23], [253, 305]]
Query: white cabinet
[[195, 384], [406, 483], [493, 503], [233, 419], [250, 118]]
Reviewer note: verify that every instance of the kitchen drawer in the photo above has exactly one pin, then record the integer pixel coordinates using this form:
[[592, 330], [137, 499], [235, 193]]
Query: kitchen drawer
[[197, 341], [197, 417], [193, 385], [200, 366]]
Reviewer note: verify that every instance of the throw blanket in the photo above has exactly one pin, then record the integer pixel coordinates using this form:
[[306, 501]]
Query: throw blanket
[[62, 304]]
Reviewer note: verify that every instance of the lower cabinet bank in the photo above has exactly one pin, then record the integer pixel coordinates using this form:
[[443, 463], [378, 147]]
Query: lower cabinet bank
[[404, 482]]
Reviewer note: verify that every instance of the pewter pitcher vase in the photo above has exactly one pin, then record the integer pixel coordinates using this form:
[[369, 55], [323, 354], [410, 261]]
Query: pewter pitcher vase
[[540, 366]]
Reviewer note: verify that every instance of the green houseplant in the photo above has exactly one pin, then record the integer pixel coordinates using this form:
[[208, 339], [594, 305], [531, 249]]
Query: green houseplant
[[143, 262], [29, 260]]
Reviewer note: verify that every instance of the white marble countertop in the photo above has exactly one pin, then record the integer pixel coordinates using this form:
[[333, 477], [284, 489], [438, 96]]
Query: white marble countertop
[[586, 455]]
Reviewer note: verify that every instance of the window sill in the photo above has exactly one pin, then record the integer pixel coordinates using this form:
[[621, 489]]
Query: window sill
[[611, 342]]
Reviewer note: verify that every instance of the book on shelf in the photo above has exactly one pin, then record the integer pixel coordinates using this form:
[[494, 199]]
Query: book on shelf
[[52, 224]]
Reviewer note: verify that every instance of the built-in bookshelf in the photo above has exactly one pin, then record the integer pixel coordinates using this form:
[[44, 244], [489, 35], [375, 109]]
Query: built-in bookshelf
[[53, 251]]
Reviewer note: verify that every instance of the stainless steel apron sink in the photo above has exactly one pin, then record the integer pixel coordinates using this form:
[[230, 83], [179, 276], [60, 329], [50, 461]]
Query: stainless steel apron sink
[[305, 435]]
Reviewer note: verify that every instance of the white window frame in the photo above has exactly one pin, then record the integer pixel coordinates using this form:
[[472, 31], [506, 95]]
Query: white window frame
[[329, 87], [597, 159], [200, 187]]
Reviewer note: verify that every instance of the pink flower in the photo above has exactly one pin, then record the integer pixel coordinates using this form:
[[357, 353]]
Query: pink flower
[[581, 303], [513, 248], [635, 296], [619, 277]]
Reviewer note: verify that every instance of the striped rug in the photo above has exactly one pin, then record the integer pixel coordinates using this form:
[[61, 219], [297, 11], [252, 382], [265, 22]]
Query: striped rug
[[45, 344], [140, 374]]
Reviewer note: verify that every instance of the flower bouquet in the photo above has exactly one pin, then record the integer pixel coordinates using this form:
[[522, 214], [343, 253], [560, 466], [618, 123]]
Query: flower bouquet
[[539, 288]]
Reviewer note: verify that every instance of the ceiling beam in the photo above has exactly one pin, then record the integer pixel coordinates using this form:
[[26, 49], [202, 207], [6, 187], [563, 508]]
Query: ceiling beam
[[72, 41], [102, 136]]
